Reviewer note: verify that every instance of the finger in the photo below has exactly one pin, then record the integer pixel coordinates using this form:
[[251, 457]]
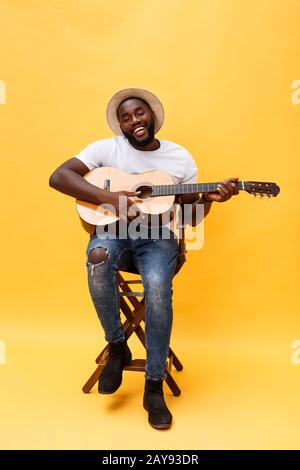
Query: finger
[[131, 203], [231, 188], [216, 197], [234, 189], [221, 191], [226, 184], [233, 184], [132, 193], [225, 188]]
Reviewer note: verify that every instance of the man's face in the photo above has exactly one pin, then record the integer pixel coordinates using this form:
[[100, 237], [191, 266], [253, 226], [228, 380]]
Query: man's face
[[136, 122]]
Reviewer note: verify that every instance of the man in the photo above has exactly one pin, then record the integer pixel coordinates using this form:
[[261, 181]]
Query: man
[[135, 115]]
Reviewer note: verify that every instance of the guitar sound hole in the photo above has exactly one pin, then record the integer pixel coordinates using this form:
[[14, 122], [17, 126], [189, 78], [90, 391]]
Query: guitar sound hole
[[146, 191]]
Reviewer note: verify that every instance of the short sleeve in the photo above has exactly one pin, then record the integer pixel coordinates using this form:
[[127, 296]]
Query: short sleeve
[[87, 156], [96, 154], [191, 171]]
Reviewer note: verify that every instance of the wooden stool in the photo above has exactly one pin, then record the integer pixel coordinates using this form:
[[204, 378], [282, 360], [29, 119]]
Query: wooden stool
[[134, 316]]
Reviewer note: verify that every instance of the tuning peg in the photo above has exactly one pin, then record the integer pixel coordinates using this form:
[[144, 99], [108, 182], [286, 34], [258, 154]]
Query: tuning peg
[[261, 195], [254, 194]]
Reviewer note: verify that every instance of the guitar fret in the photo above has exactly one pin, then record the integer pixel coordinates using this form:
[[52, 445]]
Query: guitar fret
[[173, 189]]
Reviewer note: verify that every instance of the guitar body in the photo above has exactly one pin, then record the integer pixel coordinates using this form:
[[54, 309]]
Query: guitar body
[[121, 181]]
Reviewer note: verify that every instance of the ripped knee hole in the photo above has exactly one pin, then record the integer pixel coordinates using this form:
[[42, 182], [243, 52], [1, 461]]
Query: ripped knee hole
[[98, 255]]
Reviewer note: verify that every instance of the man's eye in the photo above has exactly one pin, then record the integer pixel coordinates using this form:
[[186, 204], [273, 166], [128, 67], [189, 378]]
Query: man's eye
[[140, 113]]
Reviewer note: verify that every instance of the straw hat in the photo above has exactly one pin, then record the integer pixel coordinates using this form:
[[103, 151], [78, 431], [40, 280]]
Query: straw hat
[[117, 98]]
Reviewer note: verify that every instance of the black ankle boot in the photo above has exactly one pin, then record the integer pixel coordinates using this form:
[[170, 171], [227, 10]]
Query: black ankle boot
[[159, 416], [111, 377]]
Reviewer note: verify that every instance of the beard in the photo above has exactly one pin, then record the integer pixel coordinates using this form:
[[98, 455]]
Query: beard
[[141, 143]]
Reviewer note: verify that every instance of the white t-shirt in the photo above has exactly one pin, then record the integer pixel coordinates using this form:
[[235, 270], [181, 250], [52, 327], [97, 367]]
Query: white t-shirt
[[117, 152]]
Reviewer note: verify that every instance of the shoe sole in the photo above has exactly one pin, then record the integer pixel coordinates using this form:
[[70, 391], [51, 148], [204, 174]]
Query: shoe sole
[[107, 393], [158, 426]]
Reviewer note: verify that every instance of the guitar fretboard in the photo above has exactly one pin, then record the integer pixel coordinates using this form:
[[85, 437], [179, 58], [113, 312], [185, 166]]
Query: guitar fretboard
[[172, 189]]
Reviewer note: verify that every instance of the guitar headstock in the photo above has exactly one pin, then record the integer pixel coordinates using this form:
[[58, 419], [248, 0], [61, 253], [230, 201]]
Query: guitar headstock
[[261, 188]]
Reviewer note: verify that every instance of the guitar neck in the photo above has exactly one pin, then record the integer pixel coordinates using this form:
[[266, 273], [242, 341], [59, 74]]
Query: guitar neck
[[173, 189]]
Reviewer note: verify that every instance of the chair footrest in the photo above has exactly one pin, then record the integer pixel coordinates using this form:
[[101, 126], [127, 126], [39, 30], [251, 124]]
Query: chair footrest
[[136, 281], [132, 294], [136, 364]]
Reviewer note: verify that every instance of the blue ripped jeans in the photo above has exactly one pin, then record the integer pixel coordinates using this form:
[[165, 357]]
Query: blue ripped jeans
[[156, 261]]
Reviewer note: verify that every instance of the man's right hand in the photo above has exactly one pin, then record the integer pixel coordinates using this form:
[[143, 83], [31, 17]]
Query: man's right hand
[[124, 207]]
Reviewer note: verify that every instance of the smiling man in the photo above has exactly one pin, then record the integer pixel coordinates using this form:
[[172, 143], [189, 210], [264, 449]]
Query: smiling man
[[135, 116], [140, 130]]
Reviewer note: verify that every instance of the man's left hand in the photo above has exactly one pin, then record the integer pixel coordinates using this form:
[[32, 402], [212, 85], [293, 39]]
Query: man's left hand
[[225, 190]]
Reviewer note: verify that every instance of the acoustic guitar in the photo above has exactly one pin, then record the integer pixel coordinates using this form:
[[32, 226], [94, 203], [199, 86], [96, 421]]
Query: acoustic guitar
[[157, 189]]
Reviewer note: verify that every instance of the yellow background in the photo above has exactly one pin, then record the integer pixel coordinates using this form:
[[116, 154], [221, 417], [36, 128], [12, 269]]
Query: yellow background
[[223, 69]]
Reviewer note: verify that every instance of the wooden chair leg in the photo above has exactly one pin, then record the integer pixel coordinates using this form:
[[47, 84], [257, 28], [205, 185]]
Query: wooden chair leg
[[100, 360], [172, 385], [103, 354], [92, 380], [176, 362]]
